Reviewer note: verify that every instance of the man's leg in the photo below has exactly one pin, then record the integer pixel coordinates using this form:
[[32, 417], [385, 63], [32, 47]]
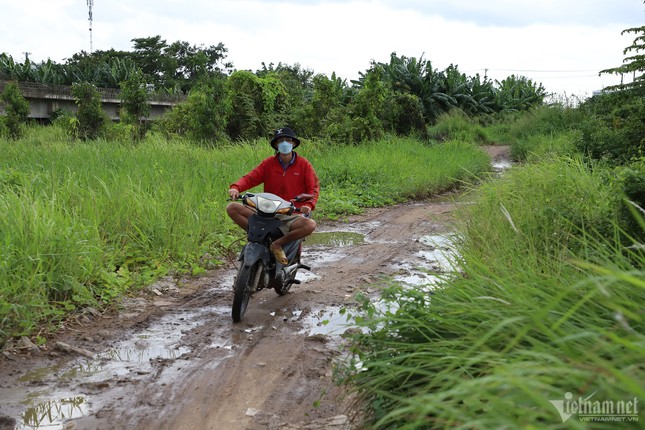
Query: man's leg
[[301, 228], [239, 214]]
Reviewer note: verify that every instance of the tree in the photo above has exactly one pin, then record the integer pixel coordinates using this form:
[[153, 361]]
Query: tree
[[615, 127], [204, 114], [90, 115], [191, 65], [179, 65], [367, 108], [16, 109], [634, 64], [517, 93], [255, 104], [135, 105], [314, 116]]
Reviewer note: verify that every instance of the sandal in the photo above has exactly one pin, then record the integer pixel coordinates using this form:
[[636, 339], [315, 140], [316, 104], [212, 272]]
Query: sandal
[[280, 256]]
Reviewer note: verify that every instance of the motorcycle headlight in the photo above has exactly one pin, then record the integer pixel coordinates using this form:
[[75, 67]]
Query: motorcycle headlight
[[267, 206]]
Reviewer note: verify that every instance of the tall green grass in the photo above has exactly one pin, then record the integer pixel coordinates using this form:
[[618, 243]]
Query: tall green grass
[[393, 170], [541, 132], [84, 223], [457, 125], [545, 300]]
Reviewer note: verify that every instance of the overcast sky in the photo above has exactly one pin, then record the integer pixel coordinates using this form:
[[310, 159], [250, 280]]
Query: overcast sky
[[560, 43]]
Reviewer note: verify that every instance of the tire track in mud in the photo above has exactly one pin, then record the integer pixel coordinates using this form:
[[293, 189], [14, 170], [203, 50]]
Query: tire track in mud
[[269, 372]]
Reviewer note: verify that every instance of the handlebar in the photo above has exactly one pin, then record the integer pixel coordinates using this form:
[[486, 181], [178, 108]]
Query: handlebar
[[299, 198]]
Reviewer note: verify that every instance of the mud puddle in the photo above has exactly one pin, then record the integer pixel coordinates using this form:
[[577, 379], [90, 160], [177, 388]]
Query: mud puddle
[[423, 270], [64, 393], [61, 394], [173, 358]]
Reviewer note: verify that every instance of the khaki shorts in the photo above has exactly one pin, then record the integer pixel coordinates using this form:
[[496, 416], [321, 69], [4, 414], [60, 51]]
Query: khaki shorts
[[287, 221]]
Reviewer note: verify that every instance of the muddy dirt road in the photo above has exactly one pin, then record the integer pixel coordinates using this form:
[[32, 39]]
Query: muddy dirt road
[[171, 358]]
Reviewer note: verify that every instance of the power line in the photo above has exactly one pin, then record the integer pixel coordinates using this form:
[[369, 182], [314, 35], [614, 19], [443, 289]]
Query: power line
[[544, 71], [486, 70]]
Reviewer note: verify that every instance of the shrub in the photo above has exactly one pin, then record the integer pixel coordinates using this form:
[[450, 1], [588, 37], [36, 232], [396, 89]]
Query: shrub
[[456, 125], [90, 115], [614, 128], [202, 117], [16, 109], [134, 104], [632, 182]]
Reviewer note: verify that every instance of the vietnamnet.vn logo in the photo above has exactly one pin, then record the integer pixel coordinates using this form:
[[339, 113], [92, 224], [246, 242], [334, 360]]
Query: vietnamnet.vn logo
[[590, 409]]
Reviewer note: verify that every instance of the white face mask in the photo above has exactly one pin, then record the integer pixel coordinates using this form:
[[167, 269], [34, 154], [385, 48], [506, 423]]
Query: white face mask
[[285, 147]]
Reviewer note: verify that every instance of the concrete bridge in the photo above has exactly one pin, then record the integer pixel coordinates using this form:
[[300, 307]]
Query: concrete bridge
[[45, 100]]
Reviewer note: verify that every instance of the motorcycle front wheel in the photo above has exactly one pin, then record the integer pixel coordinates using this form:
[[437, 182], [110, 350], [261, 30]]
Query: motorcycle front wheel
[[247, 281]]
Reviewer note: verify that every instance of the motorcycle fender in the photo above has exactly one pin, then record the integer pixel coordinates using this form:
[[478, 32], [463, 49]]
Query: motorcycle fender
[[253, 252]]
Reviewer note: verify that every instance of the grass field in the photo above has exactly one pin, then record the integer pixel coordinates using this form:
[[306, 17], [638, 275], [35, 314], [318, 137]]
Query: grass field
[[87, 222]]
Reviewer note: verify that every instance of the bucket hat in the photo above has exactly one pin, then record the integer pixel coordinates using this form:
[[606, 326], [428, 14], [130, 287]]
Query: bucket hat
[[285, 132]]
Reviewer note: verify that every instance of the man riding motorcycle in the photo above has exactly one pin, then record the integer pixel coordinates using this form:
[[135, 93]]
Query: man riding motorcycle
[[288, 175]]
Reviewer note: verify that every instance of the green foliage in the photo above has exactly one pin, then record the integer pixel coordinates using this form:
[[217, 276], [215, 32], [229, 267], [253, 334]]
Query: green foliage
[[90, 115], [391, 170], [613, 128], [368, 107], [68, 123], [104, 219], [635, 63], [403, 115], [202, 117], [455, 125], [134, 103], [112, 217], [403, 96], [254, 103], [297, 84], [534, 148], [546, 206], [518, 93], [631, 180], [16, 110], [316, 117], [538, 131], [178, 65], [539, 304]]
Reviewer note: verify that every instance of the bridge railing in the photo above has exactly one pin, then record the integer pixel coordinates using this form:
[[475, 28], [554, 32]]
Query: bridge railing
[[44, 99], [34, 90]]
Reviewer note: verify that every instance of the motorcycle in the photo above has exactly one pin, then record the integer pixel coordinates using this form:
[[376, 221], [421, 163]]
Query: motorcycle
[[258, 266]]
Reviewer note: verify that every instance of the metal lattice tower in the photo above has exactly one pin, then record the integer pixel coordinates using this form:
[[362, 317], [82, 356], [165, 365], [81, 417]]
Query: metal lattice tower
[[90, 3]]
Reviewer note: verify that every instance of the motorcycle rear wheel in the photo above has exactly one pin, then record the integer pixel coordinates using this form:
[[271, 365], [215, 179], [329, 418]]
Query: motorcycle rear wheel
[[284, 286], [247, 281]]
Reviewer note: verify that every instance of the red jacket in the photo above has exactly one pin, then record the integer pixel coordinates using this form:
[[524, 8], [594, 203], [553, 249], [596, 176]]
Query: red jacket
[[297, 178]]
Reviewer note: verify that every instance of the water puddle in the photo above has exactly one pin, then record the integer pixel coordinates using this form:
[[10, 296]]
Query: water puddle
[[331, 321], [501, 165], [39, 402], [129, 360], [51, 414], [424, 270], [335, 239]]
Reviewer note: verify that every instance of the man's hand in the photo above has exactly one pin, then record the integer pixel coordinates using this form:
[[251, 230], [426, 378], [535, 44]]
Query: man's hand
[[305, 210], [234, 193]]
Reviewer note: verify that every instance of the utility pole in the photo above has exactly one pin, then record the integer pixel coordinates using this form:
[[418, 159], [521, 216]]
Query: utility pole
[[90, 3], [26, 56]]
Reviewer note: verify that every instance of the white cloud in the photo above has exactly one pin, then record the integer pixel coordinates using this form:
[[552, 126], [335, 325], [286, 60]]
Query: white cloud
[[567, 41]]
